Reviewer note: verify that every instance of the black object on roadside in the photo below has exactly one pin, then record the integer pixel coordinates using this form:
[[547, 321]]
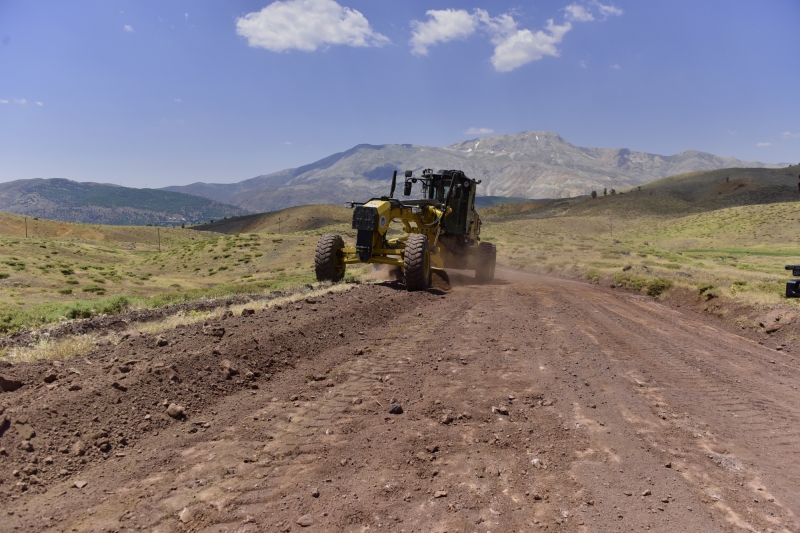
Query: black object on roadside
[[793, 285], [395, 409]]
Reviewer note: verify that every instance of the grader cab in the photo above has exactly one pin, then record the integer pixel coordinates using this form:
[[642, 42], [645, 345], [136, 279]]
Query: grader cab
[[440, 230]]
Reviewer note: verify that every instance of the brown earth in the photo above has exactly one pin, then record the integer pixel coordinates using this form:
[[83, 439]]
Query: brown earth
[[530, 404]]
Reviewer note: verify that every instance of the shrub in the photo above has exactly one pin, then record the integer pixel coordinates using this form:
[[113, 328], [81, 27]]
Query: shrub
[[72, 281], [94, 289], [739, 286], [593, 275], [65, 290], [67, 271], [4, 275], [657, 286], [705, 287], [631, 281]]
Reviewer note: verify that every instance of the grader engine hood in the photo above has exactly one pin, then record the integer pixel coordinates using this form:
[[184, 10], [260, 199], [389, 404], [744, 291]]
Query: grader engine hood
[[372, 221]]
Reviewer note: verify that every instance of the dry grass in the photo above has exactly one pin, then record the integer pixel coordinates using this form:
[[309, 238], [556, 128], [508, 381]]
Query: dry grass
[[183, 318], [52, 349], [741, 251]]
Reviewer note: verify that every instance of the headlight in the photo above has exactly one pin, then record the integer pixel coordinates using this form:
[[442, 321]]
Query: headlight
[[416, 210]]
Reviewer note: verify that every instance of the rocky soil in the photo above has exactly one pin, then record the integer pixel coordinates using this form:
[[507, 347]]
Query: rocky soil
[[530, 404]]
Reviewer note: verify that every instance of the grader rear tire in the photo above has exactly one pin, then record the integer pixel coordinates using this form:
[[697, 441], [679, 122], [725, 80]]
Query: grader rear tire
[[417, 263], [487, 258], [328, 260]]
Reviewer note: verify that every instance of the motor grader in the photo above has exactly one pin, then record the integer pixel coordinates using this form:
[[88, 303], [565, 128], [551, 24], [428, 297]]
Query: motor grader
[[440, 230]]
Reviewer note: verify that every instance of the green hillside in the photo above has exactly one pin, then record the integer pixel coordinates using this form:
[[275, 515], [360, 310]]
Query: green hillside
[[70, 201]]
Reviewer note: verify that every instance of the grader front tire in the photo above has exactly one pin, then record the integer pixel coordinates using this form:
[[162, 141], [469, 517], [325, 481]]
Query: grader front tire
[[328, 260], [487, 258], [417, 263]]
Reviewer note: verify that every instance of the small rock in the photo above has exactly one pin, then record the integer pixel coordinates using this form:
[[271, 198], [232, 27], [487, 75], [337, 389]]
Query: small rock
[[547, 403], [51, 377], [3, 452], [80, 484], [185, 515], [356, 401], [315, 493], [293, 398], [176, 411], [74, 387], [162, 341], [664, 500], [396, 409], [79, 448], [26, 446], [119, 386], [9, 385], [537, 496], [228, 370], [341, 333], [248, 312], [668, 465], [432, 448], [25, 431], [48, 460], [359, 351], [440, 494], [647, 493], [627, 493], [503, 410], [447, 419], [537, 463], [305, 520], [214, 331]]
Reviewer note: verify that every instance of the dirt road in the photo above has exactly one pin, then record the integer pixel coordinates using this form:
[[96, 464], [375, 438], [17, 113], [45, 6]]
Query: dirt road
[[530, 404]]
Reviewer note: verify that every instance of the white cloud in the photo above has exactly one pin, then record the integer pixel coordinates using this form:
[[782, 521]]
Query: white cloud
[[478, 131], [306, 25], [583, 63], [40, 104], [789, 135], [442, 26], [607, 11], [514, 47], [763, 145], [523, 46], [3, 101], [578, 13], [20, 101], [288, 143], [178, 100], [615, 66], [186, 16], [128, 28]]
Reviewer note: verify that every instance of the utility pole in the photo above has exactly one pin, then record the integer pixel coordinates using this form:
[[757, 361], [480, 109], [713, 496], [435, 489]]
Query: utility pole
[[611, 221], [26, 227], [279, 224], [159, 238]]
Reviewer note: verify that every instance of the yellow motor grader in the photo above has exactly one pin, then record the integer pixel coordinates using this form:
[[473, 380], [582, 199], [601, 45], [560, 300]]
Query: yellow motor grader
[[441, 230]]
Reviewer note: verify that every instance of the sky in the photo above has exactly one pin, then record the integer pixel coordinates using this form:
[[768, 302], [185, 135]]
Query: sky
[[151, 93]]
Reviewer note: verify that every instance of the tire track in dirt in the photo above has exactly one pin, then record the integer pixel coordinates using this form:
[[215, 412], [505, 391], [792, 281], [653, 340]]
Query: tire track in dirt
[[529, 404]]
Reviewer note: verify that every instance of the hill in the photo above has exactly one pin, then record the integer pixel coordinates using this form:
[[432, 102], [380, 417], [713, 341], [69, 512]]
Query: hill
[[98, 203], [302, 218], [694, 192], [527, 165]]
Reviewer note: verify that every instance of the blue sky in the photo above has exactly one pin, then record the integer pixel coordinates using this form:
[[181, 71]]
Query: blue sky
[[157, 93]]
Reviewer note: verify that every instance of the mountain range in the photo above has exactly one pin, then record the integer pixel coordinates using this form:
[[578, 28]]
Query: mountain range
[[528, 165], [99, 203]]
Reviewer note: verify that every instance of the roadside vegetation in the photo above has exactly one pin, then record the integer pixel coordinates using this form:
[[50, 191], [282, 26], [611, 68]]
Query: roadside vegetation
[[66, 271], [663, 237]]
